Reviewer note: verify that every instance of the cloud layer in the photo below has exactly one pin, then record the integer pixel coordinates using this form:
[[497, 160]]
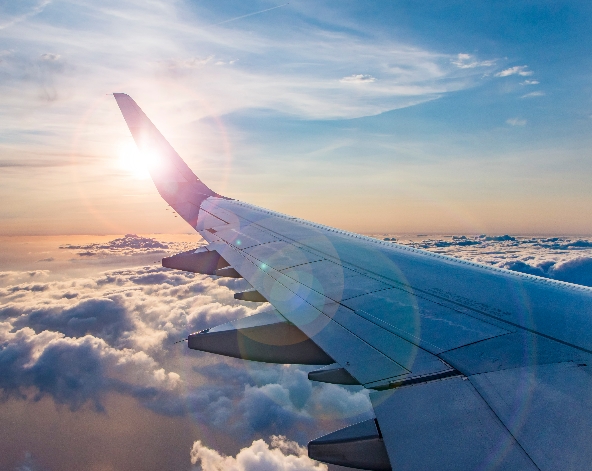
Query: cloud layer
[[78, 340]]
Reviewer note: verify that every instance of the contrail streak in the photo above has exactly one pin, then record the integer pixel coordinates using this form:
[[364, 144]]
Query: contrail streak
[[250, 14]]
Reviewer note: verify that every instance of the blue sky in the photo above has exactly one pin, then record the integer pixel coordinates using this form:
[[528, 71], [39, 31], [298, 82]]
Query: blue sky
[[439, 116]]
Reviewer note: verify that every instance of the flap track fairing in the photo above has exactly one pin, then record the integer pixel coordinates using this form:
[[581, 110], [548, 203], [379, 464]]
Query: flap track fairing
[[202, 260], [333, 374], [358, 446], [265, 337], [252, 295]]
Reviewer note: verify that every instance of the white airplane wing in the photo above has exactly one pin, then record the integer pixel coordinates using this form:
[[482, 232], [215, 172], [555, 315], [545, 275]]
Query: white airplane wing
[[469, 367]]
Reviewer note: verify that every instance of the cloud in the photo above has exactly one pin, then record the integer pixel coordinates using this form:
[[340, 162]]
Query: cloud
[[530, 82], [76, 340], [578, 271], [11, 277], [21, 11], [190, 63], [280, 455], [72, 371], [520, 70], [467, 61], [533, 94], [104, 318], [129, 244], [263, 76], [359, 78], [50, 56], [128, 241], [115, 332], [516, 122]]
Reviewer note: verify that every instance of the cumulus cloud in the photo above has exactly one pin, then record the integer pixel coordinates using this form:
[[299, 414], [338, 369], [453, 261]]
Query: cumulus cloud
[[76, 340], [358, 78], [11, 277], [521, 70], [533, 94], [516, 122], [280, 455], [467, 61], [126, 245], [105, 318], [577, 270], [530, 82], [74, 372], [99, 330]]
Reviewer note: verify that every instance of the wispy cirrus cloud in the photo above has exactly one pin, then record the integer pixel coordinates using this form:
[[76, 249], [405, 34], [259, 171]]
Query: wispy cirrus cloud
[[278, 74], [468, 61], [15, 12], [516, 122], [533, 94], [358, 78], [521, 70]]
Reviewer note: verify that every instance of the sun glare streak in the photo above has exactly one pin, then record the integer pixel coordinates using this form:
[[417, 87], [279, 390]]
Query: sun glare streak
[[134, 161]]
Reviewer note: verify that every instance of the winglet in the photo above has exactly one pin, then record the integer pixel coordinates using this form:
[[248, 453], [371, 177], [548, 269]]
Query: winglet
[[174, 180]]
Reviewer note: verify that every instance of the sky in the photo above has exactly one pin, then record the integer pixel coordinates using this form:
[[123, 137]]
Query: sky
[[457, 127], [468, 117]]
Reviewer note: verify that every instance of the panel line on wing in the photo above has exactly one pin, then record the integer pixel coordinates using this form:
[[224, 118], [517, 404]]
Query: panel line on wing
[[327, 319]]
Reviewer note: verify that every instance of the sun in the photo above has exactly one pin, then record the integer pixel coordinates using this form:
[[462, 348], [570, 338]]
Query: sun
[[133, 161]]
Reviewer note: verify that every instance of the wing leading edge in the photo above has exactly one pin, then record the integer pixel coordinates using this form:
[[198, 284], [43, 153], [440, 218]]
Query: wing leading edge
[[468, 366]]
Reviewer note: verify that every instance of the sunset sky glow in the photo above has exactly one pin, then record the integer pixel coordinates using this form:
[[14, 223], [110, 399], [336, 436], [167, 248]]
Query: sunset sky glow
[[381, 116]]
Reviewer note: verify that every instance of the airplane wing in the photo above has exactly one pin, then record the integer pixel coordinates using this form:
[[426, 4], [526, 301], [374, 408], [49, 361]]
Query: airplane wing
[[469, 367]]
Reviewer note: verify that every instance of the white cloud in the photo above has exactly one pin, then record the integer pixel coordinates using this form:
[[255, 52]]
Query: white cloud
[[530, 82], [280, 455], [11, 277], [22, 12], [359, 78], [130, 244], [521, 70], [516, 122], [533, 94], [278, 72], [190, 63], [467, 61], [117, 331]]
